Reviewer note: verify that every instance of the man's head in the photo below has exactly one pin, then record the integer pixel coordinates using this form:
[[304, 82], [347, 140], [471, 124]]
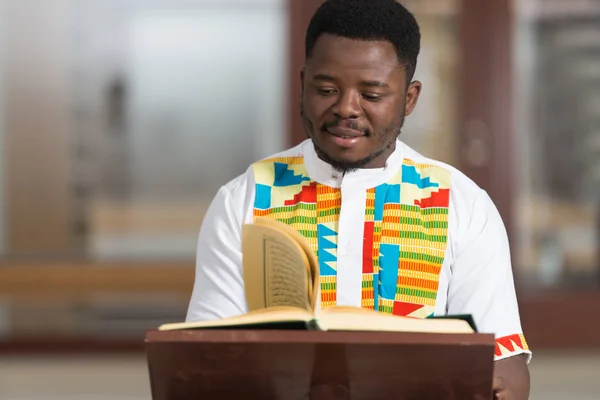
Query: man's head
[[361, 56]]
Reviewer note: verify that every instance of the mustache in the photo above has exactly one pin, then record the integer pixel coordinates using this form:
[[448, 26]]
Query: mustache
[[333, 124], [350, 124]]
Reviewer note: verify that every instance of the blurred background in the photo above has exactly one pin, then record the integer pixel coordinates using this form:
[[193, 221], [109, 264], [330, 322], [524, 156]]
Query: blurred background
[[120, 119]]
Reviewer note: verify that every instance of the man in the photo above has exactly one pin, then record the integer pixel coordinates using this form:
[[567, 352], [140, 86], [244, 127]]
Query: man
[[393, 230]]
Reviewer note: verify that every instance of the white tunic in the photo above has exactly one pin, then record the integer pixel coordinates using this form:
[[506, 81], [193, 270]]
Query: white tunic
[[475, 278]]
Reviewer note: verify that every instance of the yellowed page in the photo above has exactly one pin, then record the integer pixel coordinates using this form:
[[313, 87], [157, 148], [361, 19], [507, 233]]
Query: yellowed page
[[275, 269], [313, 264], [264, 316], [358, 319]]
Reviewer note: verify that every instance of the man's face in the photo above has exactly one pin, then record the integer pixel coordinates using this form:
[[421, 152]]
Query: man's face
[[354, 100]]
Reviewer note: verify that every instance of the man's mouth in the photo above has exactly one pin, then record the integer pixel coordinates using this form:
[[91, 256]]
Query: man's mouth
[[345, 133], [345, 137]]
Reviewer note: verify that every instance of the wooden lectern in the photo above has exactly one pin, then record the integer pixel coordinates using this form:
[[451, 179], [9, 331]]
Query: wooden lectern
[[297, 364]]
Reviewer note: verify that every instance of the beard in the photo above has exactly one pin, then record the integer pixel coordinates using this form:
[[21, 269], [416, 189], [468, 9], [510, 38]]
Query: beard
[[388, 135]]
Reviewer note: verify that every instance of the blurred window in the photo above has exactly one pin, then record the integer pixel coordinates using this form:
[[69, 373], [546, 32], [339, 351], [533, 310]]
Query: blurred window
[[557, 103], [170, 101]]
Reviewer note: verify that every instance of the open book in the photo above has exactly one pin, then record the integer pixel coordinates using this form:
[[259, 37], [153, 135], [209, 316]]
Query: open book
[[281, 279]]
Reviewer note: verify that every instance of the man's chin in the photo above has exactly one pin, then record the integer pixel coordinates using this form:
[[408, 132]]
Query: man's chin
[[343, 164]]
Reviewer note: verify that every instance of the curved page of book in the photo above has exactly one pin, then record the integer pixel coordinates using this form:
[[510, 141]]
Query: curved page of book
[[275, 268], [313, 263]]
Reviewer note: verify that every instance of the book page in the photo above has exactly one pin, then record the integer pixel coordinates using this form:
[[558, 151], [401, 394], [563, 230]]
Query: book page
[[312, 265], [286, 280], [359, 319], [275, 269], [259, 317]]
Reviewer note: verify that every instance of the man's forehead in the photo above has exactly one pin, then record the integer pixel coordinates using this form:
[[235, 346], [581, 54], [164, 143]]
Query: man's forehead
[[336, 52]]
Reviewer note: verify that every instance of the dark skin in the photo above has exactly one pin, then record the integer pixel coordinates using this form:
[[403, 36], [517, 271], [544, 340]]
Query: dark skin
[[511, 378], [358, 90], [355, 96]]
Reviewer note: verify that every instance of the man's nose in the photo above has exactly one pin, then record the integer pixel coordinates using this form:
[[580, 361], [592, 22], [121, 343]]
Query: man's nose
[[348, 106]]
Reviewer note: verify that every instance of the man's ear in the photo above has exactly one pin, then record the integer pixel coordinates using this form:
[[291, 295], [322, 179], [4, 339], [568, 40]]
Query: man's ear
[[412, 96]]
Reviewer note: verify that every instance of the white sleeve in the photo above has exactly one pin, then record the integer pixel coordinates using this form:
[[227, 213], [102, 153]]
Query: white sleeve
[[482, 281], [219, 286]]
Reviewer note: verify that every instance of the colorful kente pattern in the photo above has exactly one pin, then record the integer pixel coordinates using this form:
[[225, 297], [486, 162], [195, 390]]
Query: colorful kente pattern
[[406, 223], [284, 192], [508, 345], [406, 231]]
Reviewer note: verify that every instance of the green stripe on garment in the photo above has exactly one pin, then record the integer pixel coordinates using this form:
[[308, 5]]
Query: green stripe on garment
[[421, 257], [426, 225], [422, 236], [299, 219], [416, 292], [424, 211], [308, 234], [329, 212], [386, 309]]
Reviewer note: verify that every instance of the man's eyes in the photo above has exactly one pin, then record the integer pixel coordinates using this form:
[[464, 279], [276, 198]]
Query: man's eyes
[[366, 96], [371, 97], [326, 91]]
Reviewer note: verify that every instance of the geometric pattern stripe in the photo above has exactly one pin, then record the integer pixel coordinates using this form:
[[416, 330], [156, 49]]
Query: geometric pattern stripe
[[508, 345], [284, 192], [329, 201], [406, 234]]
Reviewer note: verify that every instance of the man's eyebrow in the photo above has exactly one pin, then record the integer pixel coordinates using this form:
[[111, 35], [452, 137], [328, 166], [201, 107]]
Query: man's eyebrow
[[324, 77], [375, 84], [329, 78]]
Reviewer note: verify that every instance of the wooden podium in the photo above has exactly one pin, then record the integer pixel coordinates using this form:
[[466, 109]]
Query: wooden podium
[[295, 364]]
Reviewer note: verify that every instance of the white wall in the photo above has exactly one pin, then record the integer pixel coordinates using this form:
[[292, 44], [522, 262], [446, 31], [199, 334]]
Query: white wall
[[207, 91]]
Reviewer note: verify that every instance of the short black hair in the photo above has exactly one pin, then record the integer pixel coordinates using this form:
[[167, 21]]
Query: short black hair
[[368, 20]]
